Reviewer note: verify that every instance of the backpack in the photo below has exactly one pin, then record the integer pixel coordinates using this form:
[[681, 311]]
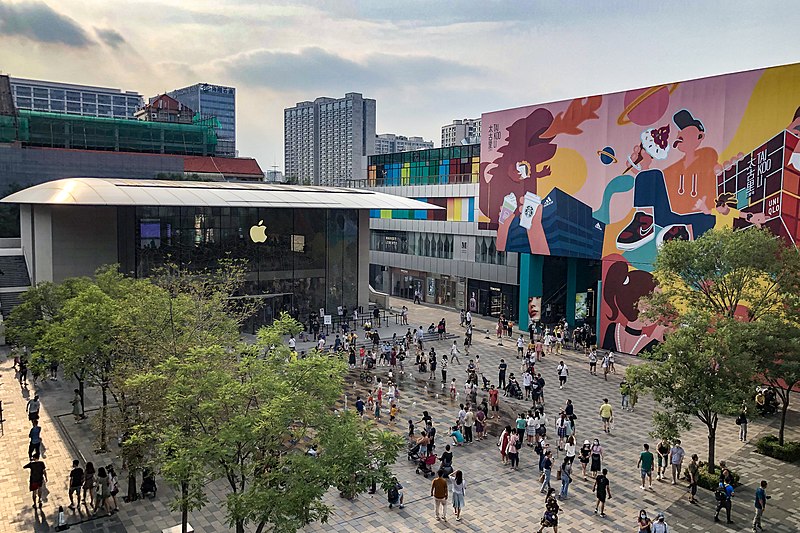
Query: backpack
[[721, 494], [393, 494], [518, 444]]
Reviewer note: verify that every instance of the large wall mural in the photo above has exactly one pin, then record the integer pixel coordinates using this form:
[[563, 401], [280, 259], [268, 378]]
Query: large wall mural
[[613, 177]]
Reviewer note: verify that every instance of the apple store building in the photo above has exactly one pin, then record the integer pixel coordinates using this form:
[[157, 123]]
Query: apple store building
[[304, 247]]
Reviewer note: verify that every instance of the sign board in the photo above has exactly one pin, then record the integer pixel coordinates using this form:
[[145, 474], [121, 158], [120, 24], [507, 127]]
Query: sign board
[[327, 320]]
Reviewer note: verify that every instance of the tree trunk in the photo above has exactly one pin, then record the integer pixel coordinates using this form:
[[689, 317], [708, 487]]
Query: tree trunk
[[784, 409], [239, 526], [103, 420], [81, 393], [184, 507], [712, 441]]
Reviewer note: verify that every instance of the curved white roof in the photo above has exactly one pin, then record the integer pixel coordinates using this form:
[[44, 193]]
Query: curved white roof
[[113, 191]]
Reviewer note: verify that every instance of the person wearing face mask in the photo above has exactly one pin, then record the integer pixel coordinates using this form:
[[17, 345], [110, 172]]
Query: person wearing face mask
[[644, 523], [660, 525]]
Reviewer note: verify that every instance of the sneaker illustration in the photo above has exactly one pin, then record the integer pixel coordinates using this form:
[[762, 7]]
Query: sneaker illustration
[[674, 232], [640, 231]]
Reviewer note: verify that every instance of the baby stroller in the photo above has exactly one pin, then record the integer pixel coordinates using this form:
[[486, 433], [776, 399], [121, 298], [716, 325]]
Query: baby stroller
[[424, 465], [514, 390], [413, 451], [486, 383], [149, 487]]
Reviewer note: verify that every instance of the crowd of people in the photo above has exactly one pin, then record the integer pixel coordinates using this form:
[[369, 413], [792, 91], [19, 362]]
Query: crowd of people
[[553, 441]]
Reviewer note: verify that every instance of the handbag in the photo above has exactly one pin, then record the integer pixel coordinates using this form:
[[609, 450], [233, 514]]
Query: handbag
[[541, 478]]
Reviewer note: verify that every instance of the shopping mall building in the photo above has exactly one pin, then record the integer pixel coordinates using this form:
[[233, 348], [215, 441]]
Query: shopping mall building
[[306, 248]]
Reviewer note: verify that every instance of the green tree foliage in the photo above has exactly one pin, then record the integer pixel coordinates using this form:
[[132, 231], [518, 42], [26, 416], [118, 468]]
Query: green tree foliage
[[726, 296], [774, 345], [83, 335], [249, 419], [698, 372]]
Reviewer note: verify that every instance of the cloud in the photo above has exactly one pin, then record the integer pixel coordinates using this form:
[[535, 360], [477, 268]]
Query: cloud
[[37, 21], [317, 70], [111, 37]]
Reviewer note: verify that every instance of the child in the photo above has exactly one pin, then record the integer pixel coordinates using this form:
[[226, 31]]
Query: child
[[453, 389], [392, 411], [370, 402], [410, 429], [377, 411]]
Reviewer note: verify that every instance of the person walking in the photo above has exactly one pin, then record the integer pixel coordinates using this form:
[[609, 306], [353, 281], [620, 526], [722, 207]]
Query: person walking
[[593, 362], [645, 465], [88, 484], [454, 353], [566, 478], [547, 467], [33, 408], [458, 493], [723, 495], [35, 435], [77, 406], [585, 456], [660, 526], [662, 450], [563, 373], [439, 491], [75, 483], [643, 522], [676, 455], [550, 517], [606, 412], [520, 346], [602, 489], [502, 443], [443, 369], [512, 450], [597, 457], [741, 421], [760, 504], [38, 478], [694, 475], [113, 484], [103, 491], [625, 393]]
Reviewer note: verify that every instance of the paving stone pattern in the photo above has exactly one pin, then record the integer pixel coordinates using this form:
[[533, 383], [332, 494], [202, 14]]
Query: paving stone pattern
[[496, 497]]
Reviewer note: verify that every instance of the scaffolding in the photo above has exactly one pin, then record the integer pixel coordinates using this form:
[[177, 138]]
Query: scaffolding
[[54, 130]]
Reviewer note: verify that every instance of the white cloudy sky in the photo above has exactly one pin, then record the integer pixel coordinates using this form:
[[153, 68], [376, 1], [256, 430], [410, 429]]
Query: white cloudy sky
[[426, 62]]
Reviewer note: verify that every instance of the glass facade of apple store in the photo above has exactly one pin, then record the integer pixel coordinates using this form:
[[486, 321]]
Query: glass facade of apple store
[[298, 260]]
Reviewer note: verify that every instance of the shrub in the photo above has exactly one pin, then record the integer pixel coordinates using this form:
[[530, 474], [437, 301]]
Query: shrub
[[768, 445], [710, 480]]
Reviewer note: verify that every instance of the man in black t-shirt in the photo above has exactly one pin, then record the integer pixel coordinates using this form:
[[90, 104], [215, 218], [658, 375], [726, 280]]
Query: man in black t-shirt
[[501, 376], [37, 479], [75, 483], [602, 490]]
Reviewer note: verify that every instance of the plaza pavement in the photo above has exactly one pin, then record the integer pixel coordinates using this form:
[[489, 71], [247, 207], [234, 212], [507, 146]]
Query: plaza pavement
[[496, 498]]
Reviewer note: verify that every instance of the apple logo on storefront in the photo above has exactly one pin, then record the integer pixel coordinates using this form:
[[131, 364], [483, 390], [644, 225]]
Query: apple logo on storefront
[[258, 233]]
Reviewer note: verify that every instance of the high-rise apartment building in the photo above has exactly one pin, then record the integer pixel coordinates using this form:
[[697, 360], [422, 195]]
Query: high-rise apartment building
[[216, 101], [87, 100], [327, 141], [389, 143], [460, 132]]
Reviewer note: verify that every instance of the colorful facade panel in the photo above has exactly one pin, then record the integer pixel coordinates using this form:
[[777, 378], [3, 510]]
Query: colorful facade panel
[[614, 176]]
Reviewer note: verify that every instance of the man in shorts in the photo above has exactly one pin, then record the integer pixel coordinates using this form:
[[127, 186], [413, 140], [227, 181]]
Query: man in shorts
[[75, 483], [606, 413], [645, 464], [602, 490], [37, 479]]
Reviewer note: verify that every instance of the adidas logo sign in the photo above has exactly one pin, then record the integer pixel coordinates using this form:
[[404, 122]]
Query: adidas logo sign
[[547, 201], [597, 226]]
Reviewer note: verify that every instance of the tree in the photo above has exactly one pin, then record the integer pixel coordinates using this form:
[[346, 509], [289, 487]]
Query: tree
[[248, 418], [774, 345], [726, 273], [697, 371], [83, 335]]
